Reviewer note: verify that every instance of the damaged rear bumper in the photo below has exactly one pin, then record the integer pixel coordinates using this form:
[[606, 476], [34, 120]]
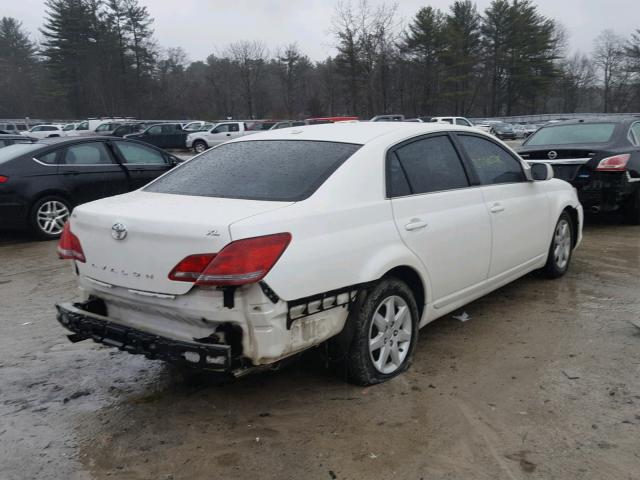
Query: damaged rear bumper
[[88, 325]]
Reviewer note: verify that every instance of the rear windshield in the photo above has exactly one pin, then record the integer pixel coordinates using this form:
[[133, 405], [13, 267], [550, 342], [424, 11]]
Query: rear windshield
[[574, 133], [17, 150], [276, 170]]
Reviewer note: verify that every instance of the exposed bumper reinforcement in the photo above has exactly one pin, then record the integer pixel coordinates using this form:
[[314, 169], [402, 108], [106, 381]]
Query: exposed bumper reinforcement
[[86, 325]]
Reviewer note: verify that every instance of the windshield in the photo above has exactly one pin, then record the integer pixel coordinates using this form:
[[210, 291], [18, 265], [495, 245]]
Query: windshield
[[275, 170], [17, 150], [573, 134]]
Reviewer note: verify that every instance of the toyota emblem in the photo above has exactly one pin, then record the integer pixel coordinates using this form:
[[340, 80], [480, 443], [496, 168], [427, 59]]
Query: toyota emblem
[[552, 155], [118, 231]]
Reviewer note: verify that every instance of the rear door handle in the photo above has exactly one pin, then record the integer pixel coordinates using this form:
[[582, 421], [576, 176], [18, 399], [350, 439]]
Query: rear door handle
[[415, 224], [497, 208]]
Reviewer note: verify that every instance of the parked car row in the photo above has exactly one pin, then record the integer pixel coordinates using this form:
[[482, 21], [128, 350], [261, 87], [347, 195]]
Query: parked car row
[[41, 182], [599, 157], [356, 234]]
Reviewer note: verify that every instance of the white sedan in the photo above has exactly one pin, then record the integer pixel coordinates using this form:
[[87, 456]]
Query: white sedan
[[356, 233]]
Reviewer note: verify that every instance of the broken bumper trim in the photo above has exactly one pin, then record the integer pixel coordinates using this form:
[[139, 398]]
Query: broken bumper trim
[[86, 325]]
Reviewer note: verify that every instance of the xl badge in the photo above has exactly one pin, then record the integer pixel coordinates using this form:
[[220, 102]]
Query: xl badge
[[118, 231]]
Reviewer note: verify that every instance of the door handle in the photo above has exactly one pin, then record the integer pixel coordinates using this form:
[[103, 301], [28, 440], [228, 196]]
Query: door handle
[[496, 208], [415, 224], [228, 134]]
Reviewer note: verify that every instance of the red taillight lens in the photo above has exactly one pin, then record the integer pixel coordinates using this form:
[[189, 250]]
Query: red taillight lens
[[189, 269], [69, 247], [3, 179], [617, 163], [239, 263]]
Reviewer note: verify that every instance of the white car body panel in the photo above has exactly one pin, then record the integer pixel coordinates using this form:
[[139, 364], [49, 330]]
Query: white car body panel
[[40, 134], [346, 234], [198, 225]]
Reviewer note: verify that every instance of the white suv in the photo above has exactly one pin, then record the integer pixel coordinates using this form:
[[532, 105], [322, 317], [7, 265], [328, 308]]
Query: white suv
[[357, 233]]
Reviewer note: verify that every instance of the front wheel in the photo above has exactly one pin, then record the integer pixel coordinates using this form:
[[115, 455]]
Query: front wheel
[[561, 248], [385, 333], [200, 146]]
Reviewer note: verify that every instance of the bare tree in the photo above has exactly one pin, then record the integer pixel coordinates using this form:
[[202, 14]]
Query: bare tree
[[609, 57], [249, 58]]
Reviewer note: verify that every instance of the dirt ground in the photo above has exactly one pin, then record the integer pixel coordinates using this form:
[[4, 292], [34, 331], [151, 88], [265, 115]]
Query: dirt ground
[[543, 382]]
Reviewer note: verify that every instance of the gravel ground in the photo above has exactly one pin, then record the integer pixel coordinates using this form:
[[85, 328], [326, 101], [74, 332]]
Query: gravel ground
[[543, 382]]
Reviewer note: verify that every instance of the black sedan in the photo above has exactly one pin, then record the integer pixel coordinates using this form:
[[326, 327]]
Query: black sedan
[[127, 128], [41, 182], [10, 139], [164, 135], [600, 157], [504, 131]]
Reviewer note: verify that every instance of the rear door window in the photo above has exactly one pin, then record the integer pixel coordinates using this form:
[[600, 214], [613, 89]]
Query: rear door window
[[428, 165], [493, 163], [94, 153], [276, 170]]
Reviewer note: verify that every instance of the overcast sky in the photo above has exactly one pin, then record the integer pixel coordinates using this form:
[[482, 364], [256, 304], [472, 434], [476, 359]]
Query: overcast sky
[[205, 26]]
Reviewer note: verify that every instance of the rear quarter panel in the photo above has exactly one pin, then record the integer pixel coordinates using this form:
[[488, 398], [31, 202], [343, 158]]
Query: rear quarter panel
[[342, 235]]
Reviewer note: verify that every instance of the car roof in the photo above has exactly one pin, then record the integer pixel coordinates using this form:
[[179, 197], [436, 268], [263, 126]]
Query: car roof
[[602, 119], [354, 132]]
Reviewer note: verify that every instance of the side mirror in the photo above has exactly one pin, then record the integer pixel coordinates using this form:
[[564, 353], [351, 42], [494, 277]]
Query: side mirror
[[541, 172]]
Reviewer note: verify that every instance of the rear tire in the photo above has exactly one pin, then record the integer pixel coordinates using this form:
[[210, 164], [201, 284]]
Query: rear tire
[[561, 248], [632, 210], [385, 327], [200, 146], [48, 216]]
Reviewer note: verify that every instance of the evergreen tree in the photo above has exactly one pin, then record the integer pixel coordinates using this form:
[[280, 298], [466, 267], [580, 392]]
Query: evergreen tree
[[17, 69], [424, 45], [462, 55]]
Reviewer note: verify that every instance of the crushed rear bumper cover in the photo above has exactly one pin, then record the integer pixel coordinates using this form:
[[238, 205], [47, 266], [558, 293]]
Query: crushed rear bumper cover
[[86, 325]]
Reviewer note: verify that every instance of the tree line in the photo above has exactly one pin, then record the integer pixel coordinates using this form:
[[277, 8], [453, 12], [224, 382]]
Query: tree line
[[100, 58]]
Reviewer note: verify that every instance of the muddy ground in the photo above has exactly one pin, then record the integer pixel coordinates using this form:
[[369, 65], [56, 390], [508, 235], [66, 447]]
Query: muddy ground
[[543, 382]]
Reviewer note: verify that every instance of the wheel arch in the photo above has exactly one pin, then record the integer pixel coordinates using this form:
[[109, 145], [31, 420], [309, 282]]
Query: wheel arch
[[575, 222], [414, 281], [51, 193]]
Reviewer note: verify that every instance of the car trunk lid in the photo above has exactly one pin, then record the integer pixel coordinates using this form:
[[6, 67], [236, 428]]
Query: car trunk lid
[[134, 240], [567, 163]]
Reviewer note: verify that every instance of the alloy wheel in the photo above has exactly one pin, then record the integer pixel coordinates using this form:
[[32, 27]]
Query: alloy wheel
[[562, 244], [52, 216], [390, 334]]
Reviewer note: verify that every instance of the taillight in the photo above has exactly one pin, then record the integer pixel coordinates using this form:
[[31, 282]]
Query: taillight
[[69, 247], [189, 269], [617, 163], [3, 179], [239, 263]]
